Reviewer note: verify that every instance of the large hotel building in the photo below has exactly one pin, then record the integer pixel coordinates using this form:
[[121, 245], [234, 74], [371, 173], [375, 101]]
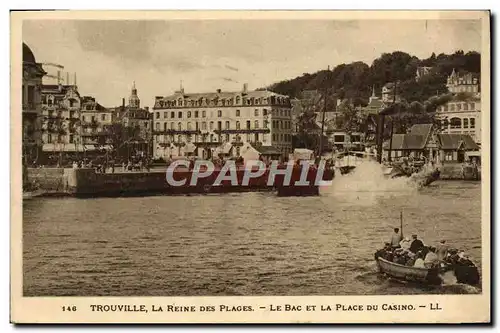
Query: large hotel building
[[221, 123]]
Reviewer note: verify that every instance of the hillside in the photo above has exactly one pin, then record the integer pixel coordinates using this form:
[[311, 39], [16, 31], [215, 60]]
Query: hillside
[[355, 80]]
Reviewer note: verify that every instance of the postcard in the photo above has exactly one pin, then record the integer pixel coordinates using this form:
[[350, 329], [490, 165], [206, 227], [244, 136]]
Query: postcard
[[250, 167]]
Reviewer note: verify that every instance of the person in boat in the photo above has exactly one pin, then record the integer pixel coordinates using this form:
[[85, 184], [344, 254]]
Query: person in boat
[[442, 250], [416, 244], [387, 253], [431, 258], [419, 260], [396, 238], [405, 244]]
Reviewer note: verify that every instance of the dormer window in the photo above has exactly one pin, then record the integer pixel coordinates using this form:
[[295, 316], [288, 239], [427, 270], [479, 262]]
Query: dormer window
[[237, 99], [180, 102]]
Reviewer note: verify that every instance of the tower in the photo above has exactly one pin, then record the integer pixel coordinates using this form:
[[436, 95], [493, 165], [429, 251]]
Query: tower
[[133, 100]]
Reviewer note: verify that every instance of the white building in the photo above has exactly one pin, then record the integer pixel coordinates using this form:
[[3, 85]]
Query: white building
[[462, 115], [202, 124]]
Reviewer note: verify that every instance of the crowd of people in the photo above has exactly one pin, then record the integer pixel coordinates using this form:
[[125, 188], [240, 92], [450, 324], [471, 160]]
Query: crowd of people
[[413, 252]]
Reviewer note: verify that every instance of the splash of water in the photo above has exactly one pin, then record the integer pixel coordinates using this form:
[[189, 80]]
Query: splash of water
[[367, 182]]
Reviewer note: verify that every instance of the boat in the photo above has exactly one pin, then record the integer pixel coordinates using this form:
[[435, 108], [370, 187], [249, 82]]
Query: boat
[[408, 273]]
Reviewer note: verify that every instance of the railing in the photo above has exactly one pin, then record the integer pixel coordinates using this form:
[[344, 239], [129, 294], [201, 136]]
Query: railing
[[172, 132], [242, 131]]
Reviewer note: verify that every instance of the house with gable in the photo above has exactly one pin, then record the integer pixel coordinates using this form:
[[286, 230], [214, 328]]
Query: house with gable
[[424, 141]]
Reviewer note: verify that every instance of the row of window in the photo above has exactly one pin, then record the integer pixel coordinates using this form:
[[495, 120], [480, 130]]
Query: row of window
[[457, 107], [221, 101], [104, 117], [458, 89], [460, 123], [203, 125], [256, 137], [203, 114]]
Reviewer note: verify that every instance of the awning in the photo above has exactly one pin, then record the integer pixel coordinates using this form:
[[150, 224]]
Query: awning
[[473, 153], [72, 147]]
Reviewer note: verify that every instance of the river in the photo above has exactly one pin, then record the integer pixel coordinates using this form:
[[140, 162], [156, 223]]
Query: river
[[243, 243]]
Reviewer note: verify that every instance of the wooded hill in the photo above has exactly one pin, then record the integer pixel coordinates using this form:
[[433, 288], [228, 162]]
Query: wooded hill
[[355, 80]]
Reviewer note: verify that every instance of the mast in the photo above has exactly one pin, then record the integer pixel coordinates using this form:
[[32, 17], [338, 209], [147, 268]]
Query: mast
[[389, 158], [320, 148]]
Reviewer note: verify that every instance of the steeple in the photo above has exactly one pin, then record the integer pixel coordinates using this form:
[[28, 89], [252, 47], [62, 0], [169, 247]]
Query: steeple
[[373, 97], [134, 100]]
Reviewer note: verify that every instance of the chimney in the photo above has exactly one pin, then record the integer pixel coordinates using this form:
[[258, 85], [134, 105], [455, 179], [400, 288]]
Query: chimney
[[219, 91], [123, 103], [74, 78], [245, 88], [58, 77]]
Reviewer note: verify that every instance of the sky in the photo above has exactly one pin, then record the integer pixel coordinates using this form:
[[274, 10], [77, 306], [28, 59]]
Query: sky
[[205, 55]]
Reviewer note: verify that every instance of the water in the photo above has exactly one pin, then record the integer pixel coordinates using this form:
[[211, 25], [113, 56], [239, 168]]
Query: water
[[244, 243]]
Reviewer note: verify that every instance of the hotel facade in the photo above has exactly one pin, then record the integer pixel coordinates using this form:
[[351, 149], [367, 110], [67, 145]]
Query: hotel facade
[[209, 125], [462, 115]]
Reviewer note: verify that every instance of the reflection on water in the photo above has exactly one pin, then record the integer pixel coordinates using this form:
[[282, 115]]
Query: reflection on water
[[242, 243]]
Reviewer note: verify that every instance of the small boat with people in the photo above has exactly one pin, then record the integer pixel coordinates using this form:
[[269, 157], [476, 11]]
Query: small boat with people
[[412, 260]]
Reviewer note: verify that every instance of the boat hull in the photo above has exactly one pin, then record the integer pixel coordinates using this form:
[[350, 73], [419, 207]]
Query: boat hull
[[408, 273]]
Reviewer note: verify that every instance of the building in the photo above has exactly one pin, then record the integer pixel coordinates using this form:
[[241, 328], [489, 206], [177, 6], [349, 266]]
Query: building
[[468, 82], [139, 121], [388, 91], [424, 140], [209, 120], [462, 114], [31, 106], [421, 72], [95, 120], [60, 117]]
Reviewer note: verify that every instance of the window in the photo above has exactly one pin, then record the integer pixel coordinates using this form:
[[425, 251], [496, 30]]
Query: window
[[219, 113], [49, 138], [179, 126], [227, 124], [219, 125], [157, 115], [172, 114], [197, 126], [237, 113], [211, 126], [472, 106], [189, 114], [227, 137], [189, 126], [248, 124], [180, 115], [188, 138], [256, 124], [459, 106], [172, 126], [237, 125], [83, 118], [196, 114], [180, 102], [165, 126], [256, 112], [237, 99], [264, 137], [466, 106], [211, 138], [472, 123], [103, 117], [179, 138], [157, 126], [264, 112], [466, 122], [456, 123], [204, 125]]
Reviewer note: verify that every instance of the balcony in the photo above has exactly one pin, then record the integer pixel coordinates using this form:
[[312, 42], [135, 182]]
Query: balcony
[[173, 132], [242, 131]]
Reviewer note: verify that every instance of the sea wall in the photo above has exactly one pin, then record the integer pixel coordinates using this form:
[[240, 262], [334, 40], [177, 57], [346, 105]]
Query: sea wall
[[47, 179], [456, 171]]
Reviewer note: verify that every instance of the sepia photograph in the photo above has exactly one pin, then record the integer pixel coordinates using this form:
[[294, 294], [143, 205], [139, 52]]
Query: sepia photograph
[[251, 155]]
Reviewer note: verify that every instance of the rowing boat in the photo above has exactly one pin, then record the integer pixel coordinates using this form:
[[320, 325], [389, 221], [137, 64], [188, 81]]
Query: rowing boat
[[408, 273]]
